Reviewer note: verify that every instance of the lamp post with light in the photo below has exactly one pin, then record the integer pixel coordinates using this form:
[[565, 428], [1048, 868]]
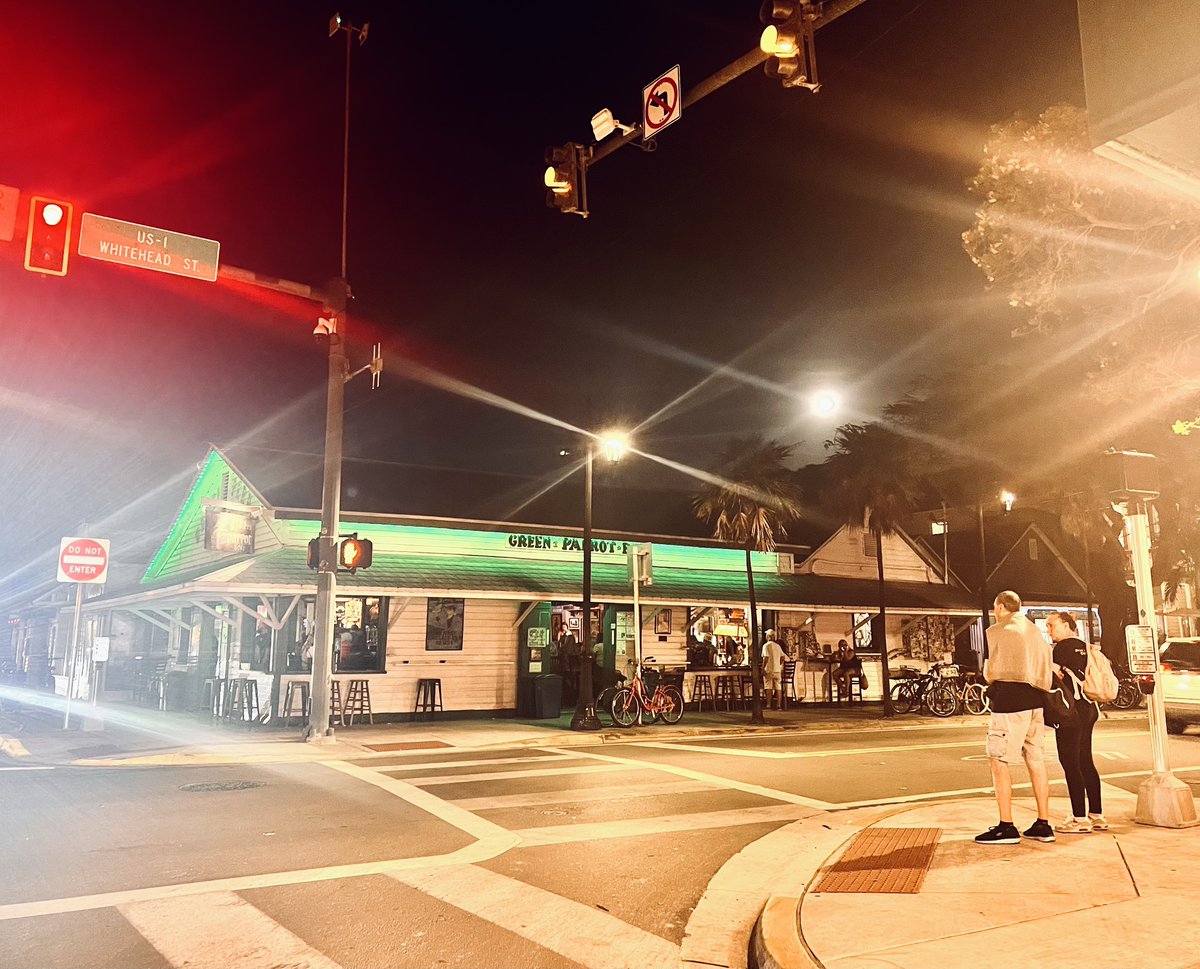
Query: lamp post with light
[[1007, 499], [613, 447]]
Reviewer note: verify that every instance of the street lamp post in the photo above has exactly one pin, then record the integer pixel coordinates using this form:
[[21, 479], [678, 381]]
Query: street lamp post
[[585, 703]]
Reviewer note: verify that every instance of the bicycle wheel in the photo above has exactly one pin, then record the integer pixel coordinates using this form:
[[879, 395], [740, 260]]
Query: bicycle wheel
[[670, 704], [942, 700], [975, 699], [906, 695], [625, 707], [1128, 695]]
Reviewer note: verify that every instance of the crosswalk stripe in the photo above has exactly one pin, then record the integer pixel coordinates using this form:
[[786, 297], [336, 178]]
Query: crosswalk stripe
[[623, 792], [480, 762], [665, 824], [716, 780], [576, 931], [219, 930], [507, 774]]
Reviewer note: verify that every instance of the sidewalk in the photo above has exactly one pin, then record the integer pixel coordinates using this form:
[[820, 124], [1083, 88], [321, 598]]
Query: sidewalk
[[121, 734], [1125, 897]]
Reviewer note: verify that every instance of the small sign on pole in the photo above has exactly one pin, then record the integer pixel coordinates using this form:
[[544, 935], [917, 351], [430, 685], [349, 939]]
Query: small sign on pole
[[1140, 649], [662, 103]]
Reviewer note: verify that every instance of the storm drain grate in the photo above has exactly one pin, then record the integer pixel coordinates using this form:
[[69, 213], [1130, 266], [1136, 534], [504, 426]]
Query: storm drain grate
[[883, 860], [222, 786], [408, 745]]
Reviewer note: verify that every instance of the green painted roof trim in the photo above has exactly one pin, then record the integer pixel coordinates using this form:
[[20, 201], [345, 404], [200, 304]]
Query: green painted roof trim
[[216, 475]]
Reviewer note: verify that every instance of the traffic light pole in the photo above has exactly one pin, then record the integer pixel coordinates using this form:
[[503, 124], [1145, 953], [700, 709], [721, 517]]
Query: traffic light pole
[[319, 728]]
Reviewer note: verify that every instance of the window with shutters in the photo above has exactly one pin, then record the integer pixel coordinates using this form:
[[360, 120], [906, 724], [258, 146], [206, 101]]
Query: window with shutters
[[1033, 550]]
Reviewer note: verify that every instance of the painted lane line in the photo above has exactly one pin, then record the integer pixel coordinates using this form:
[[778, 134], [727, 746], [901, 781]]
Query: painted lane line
[[29, 767], [625, 792], [218, 930], [665, 824], [715, 780], [849, 752], [509, 774], [575, 931], [452, 764], [493, 840], [443, 810]]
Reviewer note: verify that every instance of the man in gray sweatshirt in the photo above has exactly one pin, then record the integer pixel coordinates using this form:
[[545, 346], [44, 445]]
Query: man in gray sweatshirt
[[1018, 671]]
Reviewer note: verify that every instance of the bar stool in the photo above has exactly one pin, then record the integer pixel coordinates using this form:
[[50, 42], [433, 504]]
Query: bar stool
[[724, 694], [335, 702], [747, 689], [358, 702], [852, 693], [429, 698], [242, 701], [701, 691], [296, 690]]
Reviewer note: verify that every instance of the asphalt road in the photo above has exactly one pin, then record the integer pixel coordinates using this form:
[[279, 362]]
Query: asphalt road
[[590, 856]]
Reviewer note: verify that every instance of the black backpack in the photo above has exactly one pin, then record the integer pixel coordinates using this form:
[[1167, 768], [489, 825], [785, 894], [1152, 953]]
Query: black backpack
[[1061, 706]]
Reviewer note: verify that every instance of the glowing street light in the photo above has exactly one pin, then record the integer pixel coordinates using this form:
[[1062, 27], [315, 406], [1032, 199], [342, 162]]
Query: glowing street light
[[1007, 499], [825, 403]]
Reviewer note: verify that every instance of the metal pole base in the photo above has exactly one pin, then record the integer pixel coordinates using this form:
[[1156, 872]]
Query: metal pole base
[[586, 719], [1165, 802], [313, 736]]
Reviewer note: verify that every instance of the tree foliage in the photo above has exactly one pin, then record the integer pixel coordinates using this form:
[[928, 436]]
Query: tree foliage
[[1087, 249]]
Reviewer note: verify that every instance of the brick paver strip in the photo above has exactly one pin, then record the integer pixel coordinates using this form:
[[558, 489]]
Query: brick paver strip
[[883, 860]]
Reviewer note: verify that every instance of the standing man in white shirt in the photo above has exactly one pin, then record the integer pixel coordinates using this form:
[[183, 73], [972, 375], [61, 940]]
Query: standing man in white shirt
[[773, 670]]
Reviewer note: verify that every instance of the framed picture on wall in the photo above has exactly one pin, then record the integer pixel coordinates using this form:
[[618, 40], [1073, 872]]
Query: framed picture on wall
[[444, 624], [662, 622]]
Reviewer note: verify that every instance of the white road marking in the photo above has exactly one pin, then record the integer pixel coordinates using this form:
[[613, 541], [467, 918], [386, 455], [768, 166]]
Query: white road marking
[[451, 764], [29, 767], [508, 774], [218, 930], [665, 824], [578, 932], [715, 780], [624, 792]]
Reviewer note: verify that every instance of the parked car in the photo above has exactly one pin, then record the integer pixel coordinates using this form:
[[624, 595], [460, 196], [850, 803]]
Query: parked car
[[1179, 660]]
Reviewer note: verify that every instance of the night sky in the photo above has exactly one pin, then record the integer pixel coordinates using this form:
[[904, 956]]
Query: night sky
[[776, 242]]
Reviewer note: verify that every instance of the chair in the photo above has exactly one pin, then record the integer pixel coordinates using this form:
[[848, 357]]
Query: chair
[[429, 699], [296, 690], [788, 684], [725, 688], [701, 691], [358, 702]]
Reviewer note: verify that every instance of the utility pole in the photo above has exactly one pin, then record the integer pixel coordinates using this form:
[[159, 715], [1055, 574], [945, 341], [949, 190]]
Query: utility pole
[[319, 729]]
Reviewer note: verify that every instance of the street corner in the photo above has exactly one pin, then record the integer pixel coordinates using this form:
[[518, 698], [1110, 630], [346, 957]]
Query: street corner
[[13, 748]]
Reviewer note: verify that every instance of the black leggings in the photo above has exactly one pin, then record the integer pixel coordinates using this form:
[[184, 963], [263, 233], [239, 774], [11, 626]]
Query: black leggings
[[1075, 754]]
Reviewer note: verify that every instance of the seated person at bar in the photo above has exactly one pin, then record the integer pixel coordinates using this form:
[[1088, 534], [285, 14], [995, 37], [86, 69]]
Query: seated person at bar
[[849, 666]]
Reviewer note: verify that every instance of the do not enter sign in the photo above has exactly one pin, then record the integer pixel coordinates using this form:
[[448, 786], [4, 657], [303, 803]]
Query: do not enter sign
[[83, 560]]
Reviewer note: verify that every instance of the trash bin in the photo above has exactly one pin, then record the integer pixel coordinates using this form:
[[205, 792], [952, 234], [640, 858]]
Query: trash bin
[[526, 706], [547, 696]]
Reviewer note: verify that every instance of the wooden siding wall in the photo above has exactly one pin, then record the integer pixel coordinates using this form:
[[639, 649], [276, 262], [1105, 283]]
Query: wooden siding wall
[[843, 555], [483, 676]]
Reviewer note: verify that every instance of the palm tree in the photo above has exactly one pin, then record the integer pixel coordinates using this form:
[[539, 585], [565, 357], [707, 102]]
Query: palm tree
[[749, 504], [870, 483]]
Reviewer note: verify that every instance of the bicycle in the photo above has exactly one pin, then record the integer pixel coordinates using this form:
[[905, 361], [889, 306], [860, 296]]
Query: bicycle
[[629, 702], [934, 690], [972, 693], [1129, 693]]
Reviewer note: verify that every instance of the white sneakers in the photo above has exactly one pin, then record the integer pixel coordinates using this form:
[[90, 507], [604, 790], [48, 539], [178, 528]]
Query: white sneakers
[[1093, 822]]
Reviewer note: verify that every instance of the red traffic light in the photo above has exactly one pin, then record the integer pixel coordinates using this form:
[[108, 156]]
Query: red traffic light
[[48, 241], [354, 553]]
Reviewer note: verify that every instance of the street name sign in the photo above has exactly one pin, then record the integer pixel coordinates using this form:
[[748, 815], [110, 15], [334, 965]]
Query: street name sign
[[83, 560], [662, 103], [145, 247]]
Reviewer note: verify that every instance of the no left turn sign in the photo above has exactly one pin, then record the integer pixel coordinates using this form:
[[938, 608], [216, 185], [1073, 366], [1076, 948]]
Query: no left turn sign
[[662, 103], [83, 560]]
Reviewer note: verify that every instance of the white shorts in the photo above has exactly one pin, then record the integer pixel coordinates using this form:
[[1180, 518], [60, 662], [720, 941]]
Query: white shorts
[[773, 681], [1012, 737]]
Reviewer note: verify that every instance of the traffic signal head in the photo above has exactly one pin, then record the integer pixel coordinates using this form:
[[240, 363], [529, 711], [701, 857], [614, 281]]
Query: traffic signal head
[[565, 179], [354, 553], [788, 38], [314, 553], [48, 242]]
